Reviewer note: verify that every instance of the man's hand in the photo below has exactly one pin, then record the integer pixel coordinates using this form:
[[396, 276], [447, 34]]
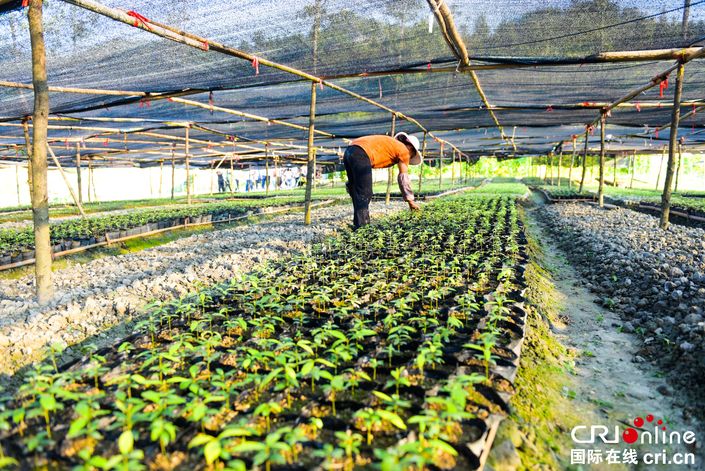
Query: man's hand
[[413, 206]]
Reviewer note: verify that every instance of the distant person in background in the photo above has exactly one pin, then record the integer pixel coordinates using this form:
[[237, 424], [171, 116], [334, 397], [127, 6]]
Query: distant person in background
[[366, 153], [251, 181], [221, 182], [262, 179], [288, 178], [296, 177]]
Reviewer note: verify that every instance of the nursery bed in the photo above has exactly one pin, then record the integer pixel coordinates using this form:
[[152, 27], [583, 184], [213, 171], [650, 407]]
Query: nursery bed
[[372, 349]]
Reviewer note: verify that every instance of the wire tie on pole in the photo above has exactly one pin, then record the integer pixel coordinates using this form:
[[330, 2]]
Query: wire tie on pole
[[25, 3], [656, 133], [428, 66], [139, 20], [255, 64], [210, 100], [638, 107], [549, 109], [663, 85]]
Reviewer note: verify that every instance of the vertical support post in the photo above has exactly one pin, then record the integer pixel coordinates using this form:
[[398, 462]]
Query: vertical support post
[[211, 179], [78, 172], [560, 164], [91, 182], [680, 160], [601, 187], [28, 145], [173, 171], [311, 161], [390, 170], [161, 176], [452, 171], [614, 172], [232, 181], [40, 121], [423, 157], [585, 150], [672, 143], [188, 170], [66, 181], [660, 166], [572, 162], [633, 164], [266, 169]]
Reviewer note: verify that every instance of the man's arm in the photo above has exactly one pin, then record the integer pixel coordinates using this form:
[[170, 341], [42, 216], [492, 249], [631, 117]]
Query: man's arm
[[405, 186]]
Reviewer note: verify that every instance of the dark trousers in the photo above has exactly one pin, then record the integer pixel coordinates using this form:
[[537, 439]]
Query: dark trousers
[[359, 170]]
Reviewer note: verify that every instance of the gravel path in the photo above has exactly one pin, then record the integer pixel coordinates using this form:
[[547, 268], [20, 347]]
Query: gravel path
[[104, 292], [654, 279]]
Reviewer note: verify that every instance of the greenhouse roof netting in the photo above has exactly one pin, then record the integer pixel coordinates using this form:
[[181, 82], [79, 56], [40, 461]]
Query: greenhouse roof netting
[[542, 66]]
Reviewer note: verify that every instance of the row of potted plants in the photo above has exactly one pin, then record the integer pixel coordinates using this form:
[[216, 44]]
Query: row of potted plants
[[18, 244]]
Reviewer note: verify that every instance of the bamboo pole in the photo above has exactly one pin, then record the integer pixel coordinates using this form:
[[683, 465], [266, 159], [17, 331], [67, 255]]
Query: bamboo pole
[[28, 145], [585, 151], [188, 170], [40, 198], [232, 178], [91, 182], [66, 181], [678, 170], [173, 169], [560, 164], [390, 170], [614, 172], [572, 163], [423, 157], [311, 162], [78, 173], [660, 166], [672, 143], [452, 171], [161, 176], [601, 187], [266, 169], [633, 164]]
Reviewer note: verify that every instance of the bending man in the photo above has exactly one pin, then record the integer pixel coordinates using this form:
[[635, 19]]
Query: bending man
[[366, 153]]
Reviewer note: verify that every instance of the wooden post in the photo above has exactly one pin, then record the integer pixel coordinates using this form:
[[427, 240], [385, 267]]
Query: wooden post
[[633, 162], [390, 170], [311, 161], [585, 150], [40, 121], [560, 164], [660, 166], [188, 170], [161, 176], [452, 171], [672, 143], [614, 172], [601, 187], [423, 157], [266, 169], [211, 175], [66, 180], [680, 159], [173, 171], [572, 162]]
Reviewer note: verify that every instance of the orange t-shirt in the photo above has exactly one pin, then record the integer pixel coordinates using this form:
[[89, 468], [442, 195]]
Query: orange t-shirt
[[383, 151]]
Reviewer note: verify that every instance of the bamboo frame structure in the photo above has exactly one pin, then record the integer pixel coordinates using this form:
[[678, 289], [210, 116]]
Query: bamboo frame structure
[[601, 187], [390, 170], [311, 162], [585, 152]]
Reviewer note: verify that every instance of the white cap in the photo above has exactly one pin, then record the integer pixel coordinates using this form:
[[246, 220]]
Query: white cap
[[414, 141]]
